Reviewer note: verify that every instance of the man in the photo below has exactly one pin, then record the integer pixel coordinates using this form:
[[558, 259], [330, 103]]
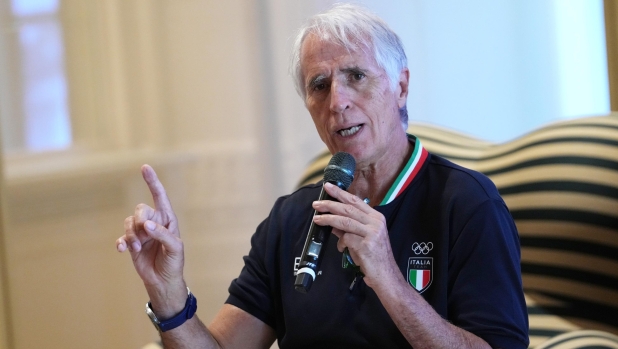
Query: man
[[438, 251]]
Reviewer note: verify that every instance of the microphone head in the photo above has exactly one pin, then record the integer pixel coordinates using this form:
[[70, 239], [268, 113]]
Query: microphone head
[[340, 170]]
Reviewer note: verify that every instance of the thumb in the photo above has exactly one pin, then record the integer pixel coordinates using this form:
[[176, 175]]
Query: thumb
[[172, 244], [338, 233]]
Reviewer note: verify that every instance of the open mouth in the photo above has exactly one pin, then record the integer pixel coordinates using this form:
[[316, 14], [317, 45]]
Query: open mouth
[[347, 132]]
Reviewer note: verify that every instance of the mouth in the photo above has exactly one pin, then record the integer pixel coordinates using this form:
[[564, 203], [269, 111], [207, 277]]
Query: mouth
[[347, 132]]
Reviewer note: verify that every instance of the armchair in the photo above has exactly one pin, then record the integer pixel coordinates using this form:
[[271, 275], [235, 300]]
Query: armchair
[[560, 183]]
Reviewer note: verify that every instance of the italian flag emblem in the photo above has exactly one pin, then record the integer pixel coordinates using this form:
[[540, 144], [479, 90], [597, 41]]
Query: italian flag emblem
[[420, 272]]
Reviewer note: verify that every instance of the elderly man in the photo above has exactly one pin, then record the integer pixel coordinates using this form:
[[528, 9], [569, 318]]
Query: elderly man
[[438, 251]]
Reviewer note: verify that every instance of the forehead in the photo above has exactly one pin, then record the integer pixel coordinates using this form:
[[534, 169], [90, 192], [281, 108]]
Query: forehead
[[318, 53]]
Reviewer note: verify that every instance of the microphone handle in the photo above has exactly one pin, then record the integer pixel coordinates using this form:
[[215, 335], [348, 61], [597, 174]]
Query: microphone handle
[[309, 260]]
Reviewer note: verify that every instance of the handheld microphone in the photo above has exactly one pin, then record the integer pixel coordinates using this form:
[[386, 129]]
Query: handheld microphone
[[340, 172]]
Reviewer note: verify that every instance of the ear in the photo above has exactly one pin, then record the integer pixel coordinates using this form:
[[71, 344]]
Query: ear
[[402, 90]]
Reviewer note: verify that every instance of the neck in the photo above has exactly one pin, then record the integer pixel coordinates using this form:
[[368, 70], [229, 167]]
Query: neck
[[373, 180]]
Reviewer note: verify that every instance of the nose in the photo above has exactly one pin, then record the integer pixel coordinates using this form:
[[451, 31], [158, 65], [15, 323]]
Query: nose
[[339, 98]]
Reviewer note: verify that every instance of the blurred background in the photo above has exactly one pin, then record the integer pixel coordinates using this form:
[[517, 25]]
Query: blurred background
[[90, 90]]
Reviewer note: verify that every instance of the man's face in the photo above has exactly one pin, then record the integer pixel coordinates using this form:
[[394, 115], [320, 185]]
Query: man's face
[[350, 100]]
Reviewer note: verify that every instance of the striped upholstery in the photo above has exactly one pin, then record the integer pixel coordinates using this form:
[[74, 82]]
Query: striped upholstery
[[583, 339], [561, 184], [545, 325]]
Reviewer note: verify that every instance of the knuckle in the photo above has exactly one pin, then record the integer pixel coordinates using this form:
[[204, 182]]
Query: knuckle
[[381, 223], [142, 212], [355, 199], [143, 208], [129, 226], [347, 222], [348, 210], [382, 232]]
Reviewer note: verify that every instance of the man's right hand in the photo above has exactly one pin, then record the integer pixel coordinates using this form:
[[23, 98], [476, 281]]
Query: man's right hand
[[152, 238]]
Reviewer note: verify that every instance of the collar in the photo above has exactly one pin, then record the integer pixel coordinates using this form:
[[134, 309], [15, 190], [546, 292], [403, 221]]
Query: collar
[[409, 172]]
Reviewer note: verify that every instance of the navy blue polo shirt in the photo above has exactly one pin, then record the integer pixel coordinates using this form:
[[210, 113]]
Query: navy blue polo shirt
[[454, 241]]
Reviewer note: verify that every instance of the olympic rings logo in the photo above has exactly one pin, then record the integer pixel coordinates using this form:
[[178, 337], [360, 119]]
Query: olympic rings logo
[[423, 248]]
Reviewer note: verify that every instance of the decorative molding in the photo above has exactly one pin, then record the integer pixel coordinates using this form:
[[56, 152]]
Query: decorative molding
[[46, 186]]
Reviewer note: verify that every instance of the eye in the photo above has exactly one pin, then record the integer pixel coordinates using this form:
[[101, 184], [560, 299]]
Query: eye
[[319, 87], [318, 84], [358, 76]]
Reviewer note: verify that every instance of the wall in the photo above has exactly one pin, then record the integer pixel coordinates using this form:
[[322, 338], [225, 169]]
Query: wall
[[168, 83]]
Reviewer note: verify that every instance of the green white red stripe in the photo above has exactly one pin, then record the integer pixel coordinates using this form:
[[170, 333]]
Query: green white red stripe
[[409, 172], [420, 278]]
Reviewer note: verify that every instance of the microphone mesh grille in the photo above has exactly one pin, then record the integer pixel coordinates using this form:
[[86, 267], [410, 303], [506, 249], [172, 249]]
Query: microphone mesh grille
[[340, 169]]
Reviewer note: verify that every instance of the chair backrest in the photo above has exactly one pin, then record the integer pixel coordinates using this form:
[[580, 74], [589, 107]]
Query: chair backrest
[[560, 183]]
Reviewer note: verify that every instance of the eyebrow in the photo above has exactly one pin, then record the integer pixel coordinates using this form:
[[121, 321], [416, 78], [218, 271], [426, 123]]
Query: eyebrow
[[354, 69], [318, 79]]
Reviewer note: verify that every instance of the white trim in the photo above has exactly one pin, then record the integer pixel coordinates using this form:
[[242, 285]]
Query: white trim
[[308, 271]]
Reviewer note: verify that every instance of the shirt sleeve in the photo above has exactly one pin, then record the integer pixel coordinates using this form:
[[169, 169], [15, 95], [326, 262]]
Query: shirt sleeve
[[252, 291], [486, 296]]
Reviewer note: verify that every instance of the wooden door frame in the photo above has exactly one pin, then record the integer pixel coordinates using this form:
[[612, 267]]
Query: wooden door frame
[[611, 37]]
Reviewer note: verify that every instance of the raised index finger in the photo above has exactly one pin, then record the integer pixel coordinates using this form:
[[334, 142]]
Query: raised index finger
[[159, 196]]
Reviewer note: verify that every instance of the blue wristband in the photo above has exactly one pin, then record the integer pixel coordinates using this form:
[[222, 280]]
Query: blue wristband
[[179, 319]]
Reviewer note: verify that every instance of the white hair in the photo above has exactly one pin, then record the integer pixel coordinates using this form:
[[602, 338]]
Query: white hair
[[353, 27]]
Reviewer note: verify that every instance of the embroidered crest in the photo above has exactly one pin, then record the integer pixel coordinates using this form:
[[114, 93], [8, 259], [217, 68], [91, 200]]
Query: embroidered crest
[[420, 272]]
